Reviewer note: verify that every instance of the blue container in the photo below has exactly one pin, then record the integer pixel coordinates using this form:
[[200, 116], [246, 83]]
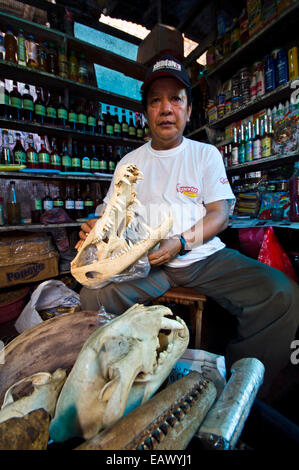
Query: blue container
[[269, 71], [282, 67]]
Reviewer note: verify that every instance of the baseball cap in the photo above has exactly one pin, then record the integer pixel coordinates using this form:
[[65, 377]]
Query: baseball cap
[[167, 66]]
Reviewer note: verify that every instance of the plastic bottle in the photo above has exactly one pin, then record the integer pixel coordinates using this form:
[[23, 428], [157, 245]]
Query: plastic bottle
[[22, 56], [294, 194], [257, 145], [10, 45], [31, 52]]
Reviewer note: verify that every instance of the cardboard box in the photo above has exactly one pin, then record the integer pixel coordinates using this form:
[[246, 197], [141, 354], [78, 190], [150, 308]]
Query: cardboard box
[[162, 39], [26, 257]]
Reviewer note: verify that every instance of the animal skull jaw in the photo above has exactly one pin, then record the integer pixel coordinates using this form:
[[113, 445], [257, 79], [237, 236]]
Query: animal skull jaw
[[108, 251]]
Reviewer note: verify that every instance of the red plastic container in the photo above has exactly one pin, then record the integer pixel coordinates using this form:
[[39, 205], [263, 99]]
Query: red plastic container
[[11, 310]]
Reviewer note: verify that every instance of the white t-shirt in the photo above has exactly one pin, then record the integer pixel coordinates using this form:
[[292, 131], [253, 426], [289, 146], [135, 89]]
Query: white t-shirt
[[185, 178]]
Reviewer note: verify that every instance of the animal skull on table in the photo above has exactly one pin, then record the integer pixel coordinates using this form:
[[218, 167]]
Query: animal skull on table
[[120, 366], [106, 252]]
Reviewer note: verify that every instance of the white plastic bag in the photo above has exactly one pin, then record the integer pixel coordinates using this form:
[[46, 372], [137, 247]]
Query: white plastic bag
[[48, 294]]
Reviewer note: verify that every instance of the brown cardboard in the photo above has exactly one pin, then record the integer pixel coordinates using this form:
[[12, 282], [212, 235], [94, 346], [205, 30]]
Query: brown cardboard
[[164, 39], [31, 271]]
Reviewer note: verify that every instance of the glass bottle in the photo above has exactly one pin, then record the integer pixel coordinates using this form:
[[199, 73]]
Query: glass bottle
[[72, 117], [31, 153], [116, 125], [13, 206], [62, 62], [108, 123], [43, 155], [86, 167], [22, 56], [47, 200], [111, 161], [62, 113], [42, 63], [257, 144], [76, 160], [139, 130], [58, 202], [82, 69], [91, 119], [7, 157], [4, 101], [103, 165], [79, 203], [31, 52], [132, 128], [241, 151], [266, 139], [27, 105], [39, 107], [52, 59], [69, 203], [88, 202], [94, 162], [73, 67], [249, 144], [235, 148], [82, 116], [66, 160], [294, 194], [101, 123], [15, 103], [19, 151], [51, 111], [124, 124], [55, 157], [10, 45], [36, 205]]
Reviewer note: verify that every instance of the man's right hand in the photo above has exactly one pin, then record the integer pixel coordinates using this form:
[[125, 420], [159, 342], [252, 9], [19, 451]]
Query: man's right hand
[[85, 229]]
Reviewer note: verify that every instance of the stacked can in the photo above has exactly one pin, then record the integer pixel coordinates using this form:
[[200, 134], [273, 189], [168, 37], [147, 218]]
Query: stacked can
[[244, 85]]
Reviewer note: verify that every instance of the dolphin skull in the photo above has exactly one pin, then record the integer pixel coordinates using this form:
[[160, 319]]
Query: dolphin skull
[[106, 252], [120, 366]]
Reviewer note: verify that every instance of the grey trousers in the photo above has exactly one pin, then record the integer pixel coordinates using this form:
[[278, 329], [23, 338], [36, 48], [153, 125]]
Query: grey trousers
[[264, 300]]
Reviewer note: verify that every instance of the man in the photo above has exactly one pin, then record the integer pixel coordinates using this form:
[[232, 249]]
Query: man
[[190, 177]]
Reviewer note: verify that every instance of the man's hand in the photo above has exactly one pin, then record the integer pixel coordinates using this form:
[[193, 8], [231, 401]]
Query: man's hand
[[85, 229], [167, 250]]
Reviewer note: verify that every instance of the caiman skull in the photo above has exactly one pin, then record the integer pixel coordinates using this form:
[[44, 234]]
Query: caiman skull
[[106, 252], [121, 365]]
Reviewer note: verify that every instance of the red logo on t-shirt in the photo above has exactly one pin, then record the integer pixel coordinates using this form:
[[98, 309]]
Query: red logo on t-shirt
[[223, 180], [189, 191]]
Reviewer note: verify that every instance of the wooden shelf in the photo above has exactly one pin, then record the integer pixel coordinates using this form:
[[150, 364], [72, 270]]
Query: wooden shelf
[[12, 228], [54, 176], [64, 132], [263, 163]]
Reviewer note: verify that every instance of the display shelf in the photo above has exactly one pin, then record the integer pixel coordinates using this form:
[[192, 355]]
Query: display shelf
[[269, 37], [263, 163], [246, 223], [54, 176], [45, 129], [12, 228]]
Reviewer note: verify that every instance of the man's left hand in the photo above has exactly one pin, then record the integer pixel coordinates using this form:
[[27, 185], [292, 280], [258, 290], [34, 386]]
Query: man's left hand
[[167, 250]]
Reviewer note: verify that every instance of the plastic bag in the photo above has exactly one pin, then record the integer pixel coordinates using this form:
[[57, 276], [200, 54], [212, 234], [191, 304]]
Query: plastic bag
[[47, 295], [272, 253]]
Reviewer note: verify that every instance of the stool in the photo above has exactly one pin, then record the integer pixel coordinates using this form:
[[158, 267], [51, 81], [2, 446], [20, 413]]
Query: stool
[[191, 297]]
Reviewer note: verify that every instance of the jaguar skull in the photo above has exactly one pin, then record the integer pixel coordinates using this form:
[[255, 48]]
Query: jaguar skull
[[106, 252], [44, 388], [121, 365]]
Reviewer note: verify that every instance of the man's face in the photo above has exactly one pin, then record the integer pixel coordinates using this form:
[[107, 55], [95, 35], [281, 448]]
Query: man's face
[[167, 112]]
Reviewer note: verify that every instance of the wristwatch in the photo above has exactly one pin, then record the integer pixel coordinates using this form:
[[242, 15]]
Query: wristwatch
[[183, 250]]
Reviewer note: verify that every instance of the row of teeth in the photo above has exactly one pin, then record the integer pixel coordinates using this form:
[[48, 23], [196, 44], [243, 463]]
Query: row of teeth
[[125, 250]]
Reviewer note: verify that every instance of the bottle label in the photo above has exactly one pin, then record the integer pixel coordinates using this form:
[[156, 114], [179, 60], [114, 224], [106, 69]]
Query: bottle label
[[139, 133], [38, 204], [21, 50], [111, 166], [66, 161], [257, 149], [62, 113], [266, 147], [79, 205], [117, 127], [31, 51], [4, 98], [73, 117], [125, 127], [88, 203], [55, 159], [32, 157], [82, 118], [95, 164], [48, 205], [103, 165], [109, 129], [43, 157], [16, 102], [86, 163], [76, 162], [248, 151], [40, 109], [91, 121], [20, 157], [70, 204], [58, 203], [132, 131], [51, 112], [28, 104]]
